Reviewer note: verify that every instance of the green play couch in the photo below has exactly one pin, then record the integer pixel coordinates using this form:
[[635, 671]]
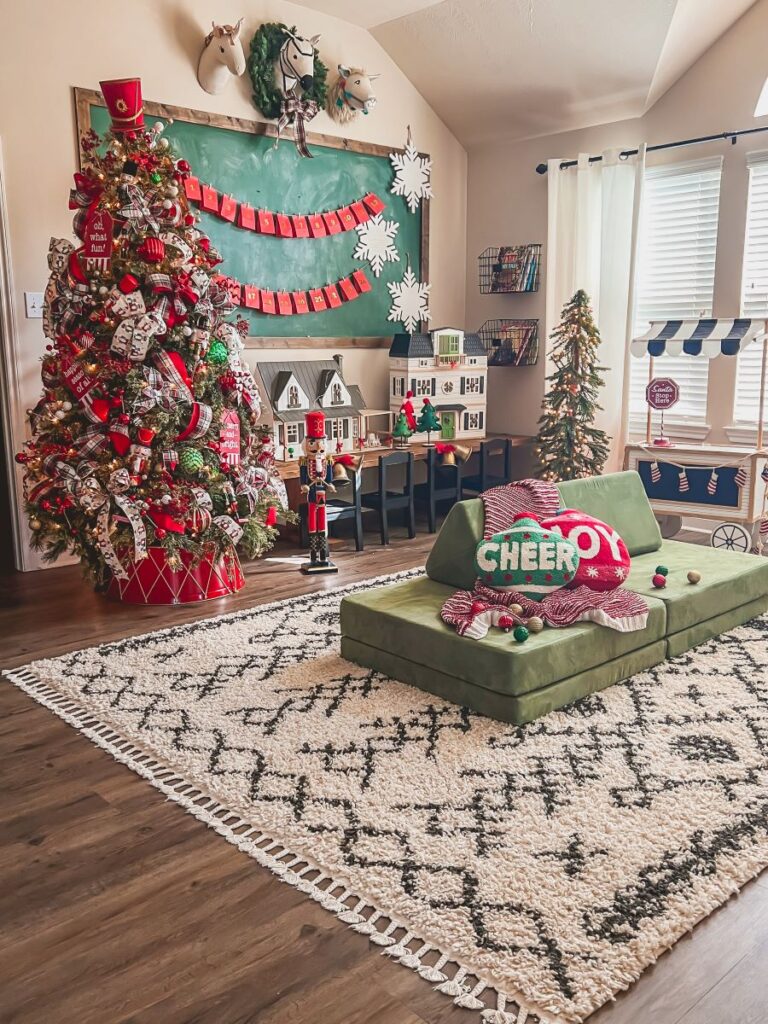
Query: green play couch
[[397, 629]]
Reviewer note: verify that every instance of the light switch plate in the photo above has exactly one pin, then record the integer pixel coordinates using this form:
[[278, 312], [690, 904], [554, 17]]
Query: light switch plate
[[33, 305]]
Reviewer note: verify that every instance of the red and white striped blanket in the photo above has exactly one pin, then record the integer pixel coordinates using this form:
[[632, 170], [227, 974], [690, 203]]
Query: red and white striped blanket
[[473, 612]]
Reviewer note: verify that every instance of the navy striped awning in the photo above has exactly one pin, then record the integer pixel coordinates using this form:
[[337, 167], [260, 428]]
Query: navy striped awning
[[709, 338]]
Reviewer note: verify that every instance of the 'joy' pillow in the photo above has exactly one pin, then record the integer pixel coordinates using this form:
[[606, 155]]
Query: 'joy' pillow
[[603, 557], [527, 558]]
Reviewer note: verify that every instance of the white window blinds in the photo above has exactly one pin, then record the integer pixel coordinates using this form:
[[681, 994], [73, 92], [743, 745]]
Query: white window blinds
[[677, 246], [754, 288]]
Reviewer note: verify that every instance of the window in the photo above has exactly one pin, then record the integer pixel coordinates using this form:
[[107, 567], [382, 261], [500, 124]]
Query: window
[[423, 362], [398, 387], [447, 387], [472, 360], [472, 386], [676, 275], [449, 344], [754, 289], [355, 428], [336, 395], [292, 433], [424, 386], [338, 429], [294, 401], [473, 421]]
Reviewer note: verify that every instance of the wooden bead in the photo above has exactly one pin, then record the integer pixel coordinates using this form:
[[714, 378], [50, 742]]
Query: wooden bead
[[694, 576], [535, 624], [516, 609]]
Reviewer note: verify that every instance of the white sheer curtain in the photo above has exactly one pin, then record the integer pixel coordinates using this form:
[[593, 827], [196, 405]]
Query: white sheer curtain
[[593, 215]]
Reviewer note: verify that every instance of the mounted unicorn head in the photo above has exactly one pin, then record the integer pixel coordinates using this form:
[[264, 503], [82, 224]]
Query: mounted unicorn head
[[221, 57], [352, 93], [296, 64]]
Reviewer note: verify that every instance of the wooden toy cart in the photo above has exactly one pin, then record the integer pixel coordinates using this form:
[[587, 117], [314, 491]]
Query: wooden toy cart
[[722, 484]]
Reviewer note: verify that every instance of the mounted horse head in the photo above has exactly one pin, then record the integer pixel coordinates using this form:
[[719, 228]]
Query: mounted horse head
[[221, 58], [296, 64], [352, 93]]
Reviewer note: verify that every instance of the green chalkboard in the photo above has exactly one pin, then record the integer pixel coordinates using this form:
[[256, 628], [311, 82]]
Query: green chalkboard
[[239, 158]]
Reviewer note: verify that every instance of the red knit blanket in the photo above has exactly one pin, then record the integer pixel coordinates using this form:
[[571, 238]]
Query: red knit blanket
[[473, 612]]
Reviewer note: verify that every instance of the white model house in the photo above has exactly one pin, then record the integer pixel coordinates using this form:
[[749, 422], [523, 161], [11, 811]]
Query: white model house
[[290, 390], [450, 368]]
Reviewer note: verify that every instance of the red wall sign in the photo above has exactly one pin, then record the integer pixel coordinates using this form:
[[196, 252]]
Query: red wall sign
[[662, 393]]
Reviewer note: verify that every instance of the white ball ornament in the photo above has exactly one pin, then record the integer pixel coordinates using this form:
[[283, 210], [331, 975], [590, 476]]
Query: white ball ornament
[[163, 144], [66, 406], [173, 190], [167, 204], [103, 290], [158, 127], [186, 329], [59, 414]]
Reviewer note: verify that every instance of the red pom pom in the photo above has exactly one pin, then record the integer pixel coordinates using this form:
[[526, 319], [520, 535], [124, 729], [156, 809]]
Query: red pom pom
[[659, 581], [160, 532], [477, 607]]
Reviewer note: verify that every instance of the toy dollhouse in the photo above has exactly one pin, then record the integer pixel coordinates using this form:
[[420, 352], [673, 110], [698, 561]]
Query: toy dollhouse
[[291, 389], [450, 368]]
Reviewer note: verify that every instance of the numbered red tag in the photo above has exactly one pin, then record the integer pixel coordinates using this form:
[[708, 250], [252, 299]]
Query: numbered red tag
[[300, 304], [347, 219], [347, 289], [317, 300], [373, 203], [284, 226], [300, 227], [284, 306], [266, 222], [251, 296], [228, 209], [332, 223], [332, 296], [268, 302], [247, 217], [192, 189], [360, 212], [210, 199], [360, 281], [317, 225]]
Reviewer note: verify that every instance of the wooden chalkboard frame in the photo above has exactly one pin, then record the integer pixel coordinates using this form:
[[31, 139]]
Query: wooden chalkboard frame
[[86, 98]]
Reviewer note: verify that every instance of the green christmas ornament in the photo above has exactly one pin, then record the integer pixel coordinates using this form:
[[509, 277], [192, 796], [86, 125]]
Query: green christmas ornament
[[156, 177], [520, 634], [218, 353], [662, 570], [191, 461]]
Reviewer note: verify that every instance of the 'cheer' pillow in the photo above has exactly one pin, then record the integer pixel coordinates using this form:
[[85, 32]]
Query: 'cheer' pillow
[[603, 557], [527, 558]]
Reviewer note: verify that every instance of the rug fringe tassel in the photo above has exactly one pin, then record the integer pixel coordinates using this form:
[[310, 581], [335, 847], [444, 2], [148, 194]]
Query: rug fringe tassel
[[332, 894]]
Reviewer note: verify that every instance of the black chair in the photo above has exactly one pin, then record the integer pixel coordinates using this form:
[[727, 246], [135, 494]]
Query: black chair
[[492, 453], [443, 484], [387, 500], [337, 508]]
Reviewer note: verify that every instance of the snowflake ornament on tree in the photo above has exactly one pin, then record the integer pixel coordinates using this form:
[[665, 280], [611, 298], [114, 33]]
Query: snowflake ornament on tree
[[377, 242], [411, 175], [410, 300]]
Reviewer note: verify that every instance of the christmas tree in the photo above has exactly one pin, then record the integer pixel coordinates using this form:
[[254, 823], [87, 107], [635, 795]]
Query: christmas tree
[[568, 446], [428, 420], [401, 431], [146, 433]]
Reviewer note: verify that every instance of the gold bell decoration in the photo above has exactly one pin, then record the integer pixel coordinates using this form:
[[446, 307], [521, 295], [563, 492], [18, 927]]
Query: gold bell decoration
[[342, 464], [449, 453]]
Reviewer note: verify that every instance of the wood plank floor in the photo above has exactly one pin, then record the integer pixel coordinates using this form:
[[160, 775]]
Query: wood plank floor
[[117, 907]]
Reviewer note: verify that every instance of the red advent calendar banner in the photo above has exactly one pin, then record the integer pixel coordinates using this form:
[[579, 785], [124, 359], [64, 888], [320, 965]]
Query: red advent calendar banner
[[312, 300], [229, 439]]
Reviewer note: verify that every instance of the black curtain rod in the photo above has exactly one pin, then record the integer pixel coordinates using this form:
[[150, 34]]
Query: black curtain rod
[[542, 168]]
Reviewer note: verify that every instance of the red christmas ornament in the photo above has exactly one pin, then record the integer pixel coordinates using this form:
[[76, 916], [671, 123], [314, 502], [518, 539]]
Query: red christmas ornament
[[128, 283], [152, 250], [119, 435], [659, 581]]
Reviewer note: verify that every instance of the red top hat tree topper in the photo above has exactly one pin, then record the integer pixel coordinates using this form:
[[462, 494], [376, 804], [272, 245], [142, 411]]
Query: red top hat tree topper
[[123, 99]]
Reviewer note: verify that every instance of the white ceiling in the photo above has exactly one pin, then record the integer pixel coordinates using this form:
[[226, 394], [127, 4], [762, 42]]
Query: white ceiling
[[520, 68]]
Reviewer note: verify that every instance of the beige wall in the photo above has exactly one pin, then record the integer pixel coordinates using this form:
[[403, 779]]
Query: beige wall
[[508, 202], [60, 45]]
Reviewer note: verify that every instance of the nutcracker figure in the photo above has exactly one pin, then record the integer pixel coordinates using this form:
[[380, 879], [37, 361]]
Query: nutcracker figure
[[316, 476]]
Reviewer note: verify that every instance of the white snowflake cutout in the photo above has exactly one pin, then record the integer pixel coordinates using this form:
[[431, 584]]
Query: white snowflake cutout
[[410, 301], [411, 175], [377, 242]]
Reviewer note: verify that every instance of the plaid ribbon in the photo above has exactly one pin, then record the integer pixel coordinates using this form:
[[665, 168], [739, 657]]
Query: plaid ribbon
[[83, 198], [157, 391], [173, 295], [167, 368], [92, 441], [170, 459], [296, 110], [135, 209]]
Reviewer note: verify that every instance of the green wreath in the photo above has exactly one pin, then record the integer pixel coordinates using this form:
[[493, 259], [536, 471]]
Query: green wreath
[[265, 49]]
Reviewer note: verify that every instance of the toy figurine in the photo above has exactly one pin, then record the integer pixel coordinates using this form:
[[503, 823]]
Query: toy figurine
[[316, 476]]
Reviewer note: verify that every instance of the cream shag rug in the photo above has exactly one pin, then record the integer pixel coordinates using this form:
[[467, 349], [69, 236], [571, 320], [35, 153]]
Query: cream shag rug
[[534, 870]]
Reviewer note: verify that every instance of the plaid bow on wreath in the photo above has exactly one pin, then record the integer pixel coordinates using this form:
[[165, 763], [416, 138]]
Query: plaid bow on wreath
[[294, 110]]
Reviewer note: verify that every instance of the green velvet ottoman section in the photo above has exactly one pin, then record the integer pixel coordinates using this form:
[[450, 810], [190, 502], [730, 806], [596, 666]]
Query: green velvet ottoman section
[[677, 643], [404, 619], [619, 499], [452, 558], [515, 710], [729, 579]]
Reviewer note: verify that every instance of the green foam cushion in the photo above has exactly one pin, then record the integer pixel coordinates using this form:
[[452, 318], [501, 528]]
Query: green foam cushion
[[729, 579], [619, 499], [404, 618]]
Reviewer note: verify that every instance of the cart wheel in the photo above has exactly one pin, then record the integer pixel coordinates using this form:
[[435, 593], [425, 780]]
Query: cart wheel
[[730, 536], [669, 525]]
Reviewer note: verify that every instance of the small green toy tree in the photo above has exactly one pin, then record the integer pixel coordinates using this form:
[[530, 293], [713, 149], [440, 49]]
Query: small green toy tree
[[568, 446], [428, 421], [401, 431]]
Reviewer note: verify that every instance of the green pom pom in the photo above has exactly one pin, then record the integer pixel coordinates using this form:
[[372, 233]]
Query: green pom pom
[[191, 461], [662, 570], [520, 634], [218, 354]]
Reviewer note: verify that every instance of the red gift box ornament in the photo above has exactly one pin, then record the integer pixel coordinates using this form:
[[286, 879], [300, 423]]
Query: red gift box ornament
[[152, 250], [123, 99]]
